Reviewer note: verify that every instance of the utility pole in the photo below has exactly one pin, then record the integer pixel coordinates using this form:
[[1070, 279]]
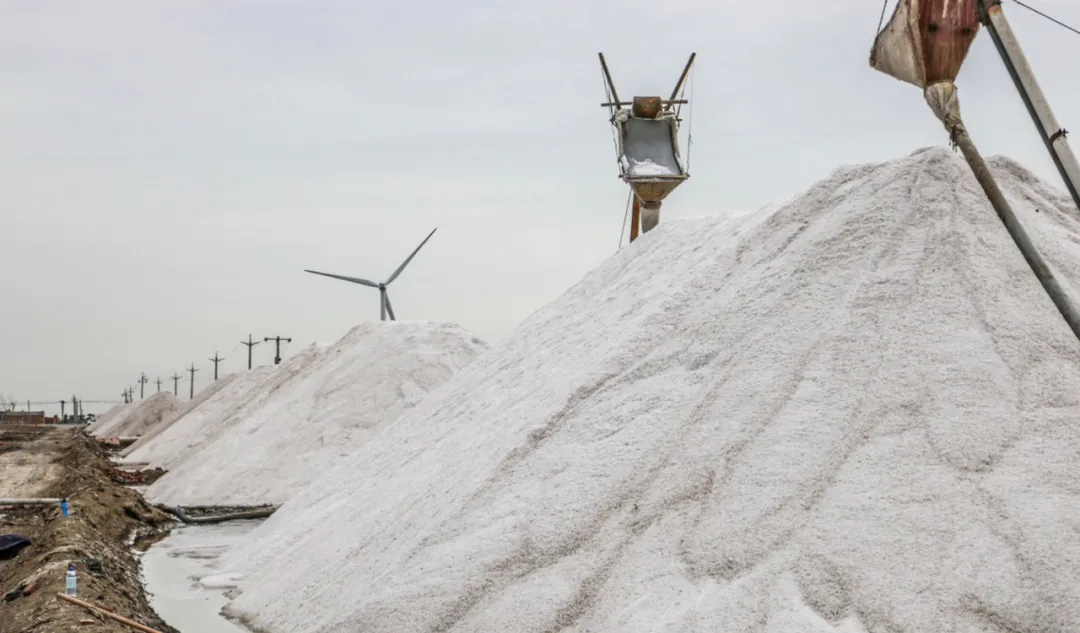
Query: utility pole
[[159, 384], [192, 371], [142, 385], [123, 394], [63, 416], [216, 360], [1051, 132], [277, 346], [175, 384], [74, 407], [250, 343]]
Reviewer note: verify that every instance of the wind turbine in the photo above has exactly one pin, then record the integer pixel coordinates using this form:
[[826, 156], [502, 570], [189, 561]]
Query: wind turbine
[[384, 299]]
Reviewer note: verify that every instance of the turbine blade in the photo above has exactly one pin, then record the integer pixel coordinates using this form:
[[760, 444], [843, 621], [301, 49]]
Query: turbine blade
[[355, 280], [389, 308], [409, 258]]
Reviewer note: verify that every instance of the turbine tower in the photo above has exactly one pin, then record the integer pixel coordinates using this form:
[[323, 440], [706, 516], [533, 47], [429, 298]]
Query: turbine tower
[[385, 309]]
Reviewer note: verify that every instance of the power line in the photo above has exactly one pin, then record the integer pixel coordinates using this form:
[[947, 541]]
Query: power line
[[1048, 17], [626, 215]]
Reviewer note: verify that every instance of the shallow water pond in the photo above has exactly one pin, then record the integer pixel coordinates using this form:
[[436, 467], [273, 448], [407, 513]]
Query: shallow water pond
[[172, 568]]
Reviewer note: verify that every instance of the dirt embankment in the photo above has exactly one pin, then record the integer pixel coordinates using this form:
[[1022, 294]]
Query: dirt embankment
[[104, 515]]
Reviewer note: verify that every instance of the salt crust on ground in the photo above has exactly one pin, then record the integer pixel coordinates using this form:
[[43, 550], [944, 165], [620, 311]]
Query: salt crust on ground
[[854, 412], [134, 418], [300, 423]]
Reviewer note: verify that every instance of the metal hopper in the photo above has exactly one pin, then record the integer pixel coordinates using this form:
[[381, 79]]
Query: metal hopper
[[647, 141]]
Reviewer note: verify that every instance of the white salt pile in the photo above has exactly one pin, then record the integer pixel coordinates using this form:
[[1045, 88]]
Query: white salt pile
[[211, 419], [105, 418], [856, 412], [136, 417], [200, 399], [293, 431]]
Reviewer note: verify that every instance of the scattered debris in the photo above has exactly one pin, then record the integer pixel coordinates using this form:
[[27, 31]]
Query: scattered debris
[[239, 515], [11, 545], [135, 477]]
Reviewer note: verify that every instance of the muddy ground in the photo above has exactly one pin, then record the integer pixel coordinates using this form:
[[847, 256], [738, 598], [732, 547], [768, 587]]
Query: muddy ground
[[96, 537]]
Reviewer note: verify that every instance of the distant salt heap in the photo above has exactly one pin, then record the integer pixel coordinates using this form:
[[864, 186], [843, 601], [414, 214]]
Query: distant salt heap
[[854, 412], [111, 414], [200, 399], [132, 419], [292, 430], [210, 420]]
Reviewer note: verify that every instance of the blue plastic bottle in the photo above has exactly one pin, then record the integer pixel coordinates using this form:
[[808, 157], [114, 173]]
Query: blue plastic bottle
[[70, 581], [63, 507]]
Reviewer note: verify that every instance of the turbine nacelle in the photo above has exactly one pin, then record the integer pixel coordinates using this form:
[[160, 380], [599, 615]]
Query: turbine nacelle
[[385, 309]]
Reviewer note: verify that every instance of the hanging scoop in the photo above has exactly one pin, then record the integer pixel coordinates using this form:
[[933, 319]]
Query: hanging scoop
[[926, 41]]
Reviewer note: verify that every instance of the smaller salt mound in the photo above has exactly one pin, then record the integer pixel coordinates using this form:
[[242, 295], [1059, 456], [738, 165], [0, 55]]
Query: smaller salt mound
[[111, 414], [192, 431], [200, 398], [331, 404], [144, 414]]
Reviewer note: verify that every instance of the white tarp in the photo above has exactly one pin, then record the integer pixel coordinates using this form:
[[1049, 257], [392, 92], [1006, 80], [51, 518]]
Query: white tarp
[[898, 47]]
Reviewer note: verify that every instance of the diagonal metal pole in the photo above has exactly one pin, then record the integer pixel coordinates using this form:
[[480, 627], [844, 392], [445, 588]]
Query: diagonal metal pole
[[943, 101], [1051, 132], [682, 78]]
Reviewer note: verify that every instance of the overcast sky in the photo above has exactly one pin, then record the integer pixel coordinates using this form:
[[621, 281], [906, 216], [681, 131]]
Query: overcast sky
[[168, 168]]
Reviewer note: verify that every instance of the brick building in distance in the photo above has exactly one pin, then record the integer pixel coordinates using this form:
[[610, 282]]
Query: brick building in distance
[[27, 417]]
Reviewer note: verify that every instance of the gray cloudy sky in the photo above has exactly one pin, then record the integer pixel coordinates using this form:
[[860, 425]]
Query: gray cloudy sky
[[168, 168]]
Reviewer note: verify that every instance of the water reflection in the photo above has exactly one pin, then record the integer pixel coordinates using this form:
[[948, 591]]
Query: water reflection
[[172, 569]]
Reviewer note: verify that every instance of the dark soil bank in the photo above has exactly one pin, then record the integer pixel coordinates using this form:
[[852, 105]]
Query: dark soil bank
[[96, 537]]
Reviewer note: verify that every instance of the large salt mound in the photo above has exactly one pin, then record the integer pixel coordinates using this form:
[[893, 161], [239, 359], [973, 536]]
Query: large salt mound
[[343, 395], [200, 398], [135, 418], [855, 412]]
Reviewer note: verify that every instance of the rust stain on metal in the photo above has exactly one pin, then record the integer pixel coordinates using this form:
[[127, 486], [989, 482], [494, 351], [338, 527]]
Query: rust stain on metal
[[948, 27], [647, 107]]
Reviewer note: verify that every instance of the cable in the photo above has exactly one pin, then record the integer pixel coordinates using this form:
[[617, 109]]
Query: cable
[[881, 20], [1048, 17], [690, 123], [626, 214]]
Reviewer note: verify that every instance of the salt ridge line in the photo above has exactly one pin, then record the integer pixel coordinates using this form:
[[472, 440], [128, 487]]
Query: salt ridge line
[[854, 412]]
